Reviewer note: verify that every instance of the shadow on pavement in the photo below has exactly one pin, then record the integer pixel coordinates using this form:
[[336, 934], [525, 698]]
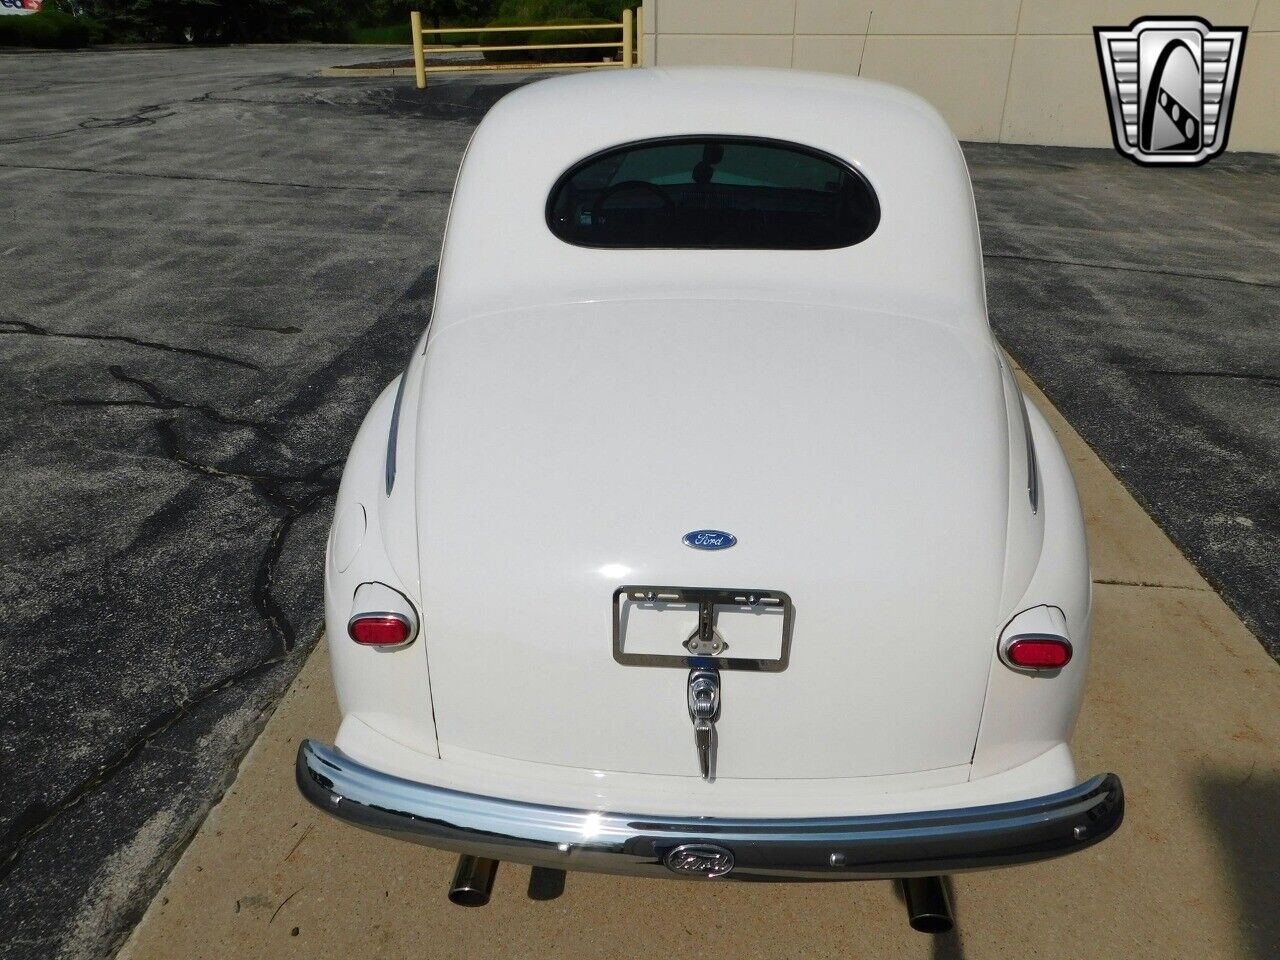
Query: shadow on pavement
[[546, 883], [947, 946], [1244, 816]]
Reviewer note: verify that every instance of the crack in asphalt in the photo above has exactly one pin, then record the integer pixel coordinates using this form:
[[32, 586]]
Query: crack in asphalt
[[37, 817], [289, 328], [316, 486], [139, 116], [206, 178], [271, 487], [1183, 275], [1145, 583], [30, 329], [1268, 378], [157, 400]]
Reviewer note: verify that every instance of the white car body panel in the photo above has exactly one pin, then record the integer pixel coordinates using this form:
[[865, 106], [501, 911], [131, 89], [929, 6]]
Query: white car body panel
[[727, 797], [591, 465], [846, 414]]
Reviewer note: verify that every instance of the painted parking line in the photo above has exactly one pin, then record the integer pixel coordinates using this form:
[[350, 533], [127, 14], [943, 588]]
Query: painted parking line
[[1182, 702]]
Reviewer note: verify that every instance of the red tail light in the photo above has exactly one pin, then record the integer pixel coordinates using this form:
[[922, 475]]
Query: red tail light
[[1038, 653], [379, 629]]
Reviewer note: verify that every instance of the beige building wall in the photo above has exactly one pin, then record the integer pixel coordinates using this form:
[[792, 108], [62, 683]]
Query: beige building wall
[[1015, 71]]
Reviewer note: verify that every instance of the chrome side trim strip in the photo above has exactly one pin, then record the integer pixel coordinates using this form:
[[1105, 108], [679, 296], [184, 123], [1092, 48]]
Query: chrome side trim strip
[[394, 434], [1033, 477], [824, 848]]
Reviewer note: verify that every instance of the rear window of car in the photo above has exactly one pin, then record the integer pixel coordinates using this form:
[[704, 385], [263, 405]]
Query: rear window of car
[[713, 192]]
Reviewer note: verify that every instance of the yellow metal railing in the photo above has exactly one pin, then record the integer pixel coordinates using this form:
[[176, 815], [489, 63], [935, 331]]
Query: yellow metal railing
[[629, 45]]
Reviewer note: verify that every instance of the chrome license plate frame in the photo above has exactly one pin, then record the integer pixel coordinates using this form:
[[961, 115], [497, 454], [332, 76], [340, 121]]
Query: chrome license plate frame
[[707, 600]]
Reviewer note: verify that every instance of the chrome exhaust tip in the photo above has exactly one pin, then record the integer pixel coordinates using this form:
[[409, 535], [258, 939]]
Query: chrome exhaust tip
[[928, 908], [472, 881]]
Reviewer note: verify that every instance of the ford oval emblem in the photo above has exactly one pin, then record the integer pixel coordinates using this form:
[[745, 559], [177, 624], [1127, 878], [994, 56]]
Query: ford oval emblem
[[699, 860], [709, 540]]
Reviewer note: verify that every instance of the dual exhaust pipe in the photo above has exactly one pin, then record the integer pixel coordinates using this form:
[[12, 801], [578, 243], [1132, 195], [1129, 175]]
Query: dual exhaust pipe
[[928, 907], [472, 881]]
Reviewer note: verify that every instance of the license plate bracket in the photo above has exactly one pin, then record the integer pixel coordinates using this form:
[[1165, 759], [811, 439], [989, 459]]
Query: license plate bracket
[[761, 640]]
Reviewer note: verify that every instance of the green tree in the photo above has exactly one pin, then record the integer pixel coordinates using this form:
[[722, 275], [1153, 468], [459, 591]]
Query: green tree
[[227, 21], [436, 12]]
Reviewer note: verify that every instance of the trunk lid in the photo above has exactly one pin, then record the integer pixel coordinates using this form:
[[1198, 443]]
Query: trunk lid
[[860, 459]]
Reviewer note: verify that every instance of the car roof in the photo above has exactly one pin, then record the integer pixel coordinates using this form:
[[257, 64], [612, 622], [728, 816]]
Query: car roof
[[924, 259]]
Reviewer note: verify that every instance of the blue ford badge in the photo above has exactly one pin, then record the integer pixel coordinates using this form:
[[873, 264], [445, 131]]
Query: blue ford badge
[[709, 540]]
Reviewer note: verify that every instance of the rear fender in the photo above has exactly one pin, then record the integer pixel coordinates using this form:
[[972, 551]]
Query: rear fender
[[372, 540], [1025, 716]]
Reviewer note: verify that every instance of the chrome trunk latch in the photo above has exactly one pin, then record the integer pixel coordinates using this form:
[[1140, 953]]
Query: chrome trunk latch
[[704, 711]]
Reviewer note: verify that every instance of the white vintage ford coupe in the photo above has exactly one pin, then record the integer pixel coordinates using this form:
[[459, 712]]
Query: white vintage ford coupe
[[708, 533]]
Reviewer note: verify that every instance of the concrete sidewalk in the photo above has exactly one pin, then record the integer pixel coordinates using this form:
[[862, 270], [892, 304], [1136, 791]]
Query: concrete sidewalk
[[1182, 702]]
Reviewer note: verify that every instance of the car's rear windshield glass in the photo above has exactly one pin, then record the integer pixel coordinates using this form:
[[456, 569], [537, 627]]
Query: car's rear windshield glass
[[713, 192]]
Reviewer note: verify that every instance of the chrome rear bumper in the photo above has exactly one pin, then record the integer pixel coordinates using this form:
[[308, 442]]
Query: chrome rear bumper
[[823, 848]]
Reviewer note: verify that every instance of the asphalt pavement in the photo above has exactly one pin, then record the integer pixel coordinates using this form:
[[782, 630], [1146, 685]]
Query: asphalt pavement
[[1146, 304], [211, 262]]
